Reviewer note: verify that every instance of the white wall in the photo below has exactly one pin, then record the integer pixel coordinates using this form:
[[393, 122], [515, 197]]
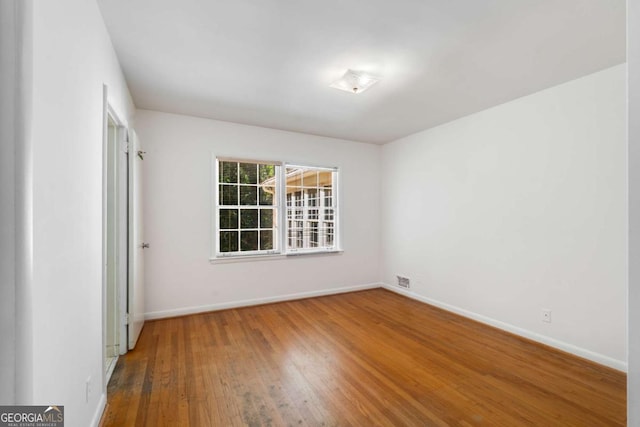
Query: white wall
[[179, 276], [518, 208], [633, 59], [8, 80], [543, 176], [72, 59]]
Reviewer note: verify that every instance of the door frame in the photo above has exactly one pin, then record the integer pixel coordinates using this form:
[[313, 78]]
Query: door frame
[[110, 113]]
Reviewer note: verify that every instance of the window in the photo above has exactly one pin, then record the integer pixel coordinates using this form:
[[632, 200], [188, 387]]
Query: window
[[247, 207], [309, 193], [253, 198]]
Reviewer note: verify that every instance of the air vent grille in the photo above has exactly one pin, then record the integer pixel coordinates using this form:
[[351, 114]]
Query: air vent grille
[[404, 282]]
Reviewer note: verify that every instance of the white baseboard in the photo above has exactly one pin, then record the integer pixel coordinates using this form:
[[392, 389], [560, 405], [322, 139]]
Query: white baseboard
[[569, 348], [95, 422], [257, 301]]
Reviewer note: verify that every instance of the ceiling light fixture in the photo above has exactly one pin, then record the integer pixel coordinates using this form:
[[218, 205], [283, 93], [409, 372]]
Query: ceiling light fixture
[[355, 82]]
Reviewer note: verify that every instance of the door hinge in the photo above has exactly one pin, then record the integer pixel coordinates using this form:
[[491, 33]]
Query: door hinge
[[126, 319], [126, 143]]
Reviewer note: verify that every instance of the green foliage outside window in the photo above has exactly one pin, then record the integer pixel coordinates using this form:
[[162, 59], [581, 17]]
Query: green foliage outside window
[[244, 188]]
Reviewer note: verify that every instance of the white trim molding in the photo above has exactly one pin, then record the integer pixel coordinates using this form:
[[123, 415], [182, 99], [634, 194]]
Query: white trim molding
[[560, 345], [256, 301], [102, 404]]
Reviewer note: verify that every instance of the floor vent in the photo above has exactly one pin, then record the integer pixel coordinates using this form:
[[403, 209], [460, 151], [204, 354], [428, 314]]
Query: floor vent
[[404, 282]]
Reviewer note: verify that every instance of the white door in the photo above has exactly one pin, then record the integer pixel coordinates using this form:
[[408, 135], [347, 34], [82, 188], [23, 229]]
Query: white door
[[136, 242], [112, 240]]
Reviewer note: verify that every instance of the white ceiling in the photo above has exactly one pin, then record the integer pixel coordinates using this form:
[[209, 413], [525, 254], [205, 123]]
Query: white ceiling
[[270, 62]]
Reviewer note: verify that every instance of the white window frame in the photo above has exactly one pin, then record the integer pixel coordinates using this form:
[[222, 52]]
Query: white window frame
[[215, 226], [335, 192], [281, 246]]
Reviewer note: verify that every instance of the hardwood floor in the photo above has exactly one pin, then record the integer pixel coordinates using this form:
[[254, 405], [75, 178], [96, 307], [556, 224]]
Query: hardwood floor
[[362, 359]]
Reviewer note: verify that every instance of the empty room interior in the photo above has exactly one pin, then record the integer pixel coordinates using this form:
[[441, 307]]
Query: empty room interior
[[293, 213]]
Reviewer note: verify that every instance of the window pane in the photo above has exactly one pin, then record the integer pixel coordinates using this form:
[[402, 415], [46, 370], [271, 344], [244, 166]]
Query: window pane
[[325, 179], [312, 197], [249, 218], [328, 198], [228, 194], [310, 178], [313, 234], [266, 240], [328, 214], [228, 241], [228, 172], [266, 195], [248, 173], [266, 173], [311, 208], [244, 188], [248, 240], [248, 195], [296, 196], [228, 218], [294, 177], [328, 230], [266, 218]]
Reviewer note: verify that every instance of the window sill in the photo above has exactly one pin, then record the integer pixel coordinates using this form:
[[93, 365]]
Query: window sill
[[315, 253], [271, 257]]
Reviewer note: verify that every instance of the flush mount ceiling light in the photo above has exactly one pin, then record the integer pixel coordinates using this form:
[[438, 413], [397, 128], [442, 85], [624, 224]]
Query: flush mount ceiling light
[[355, 82]]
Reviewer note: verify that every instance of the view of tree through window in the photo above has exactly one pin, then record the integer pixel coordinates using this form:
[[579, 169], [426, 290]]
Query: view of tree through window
[[250, 196], [247, 206]]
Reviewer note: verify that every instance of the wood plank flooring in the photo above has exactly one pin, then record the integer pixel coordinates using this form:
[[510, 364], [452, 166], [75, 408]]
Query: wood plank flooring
[[359, 359]]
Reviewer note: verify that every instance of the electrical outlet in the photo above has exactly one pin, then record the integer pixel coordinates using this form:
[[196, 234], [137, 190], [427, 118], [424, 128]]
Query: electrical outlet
[[87, 389], [546, 315]]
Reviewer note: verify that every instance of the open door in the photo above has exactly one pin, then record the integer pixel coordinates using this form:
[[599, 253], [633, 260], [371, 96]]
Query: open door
[[135, 304], [112, 221]]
